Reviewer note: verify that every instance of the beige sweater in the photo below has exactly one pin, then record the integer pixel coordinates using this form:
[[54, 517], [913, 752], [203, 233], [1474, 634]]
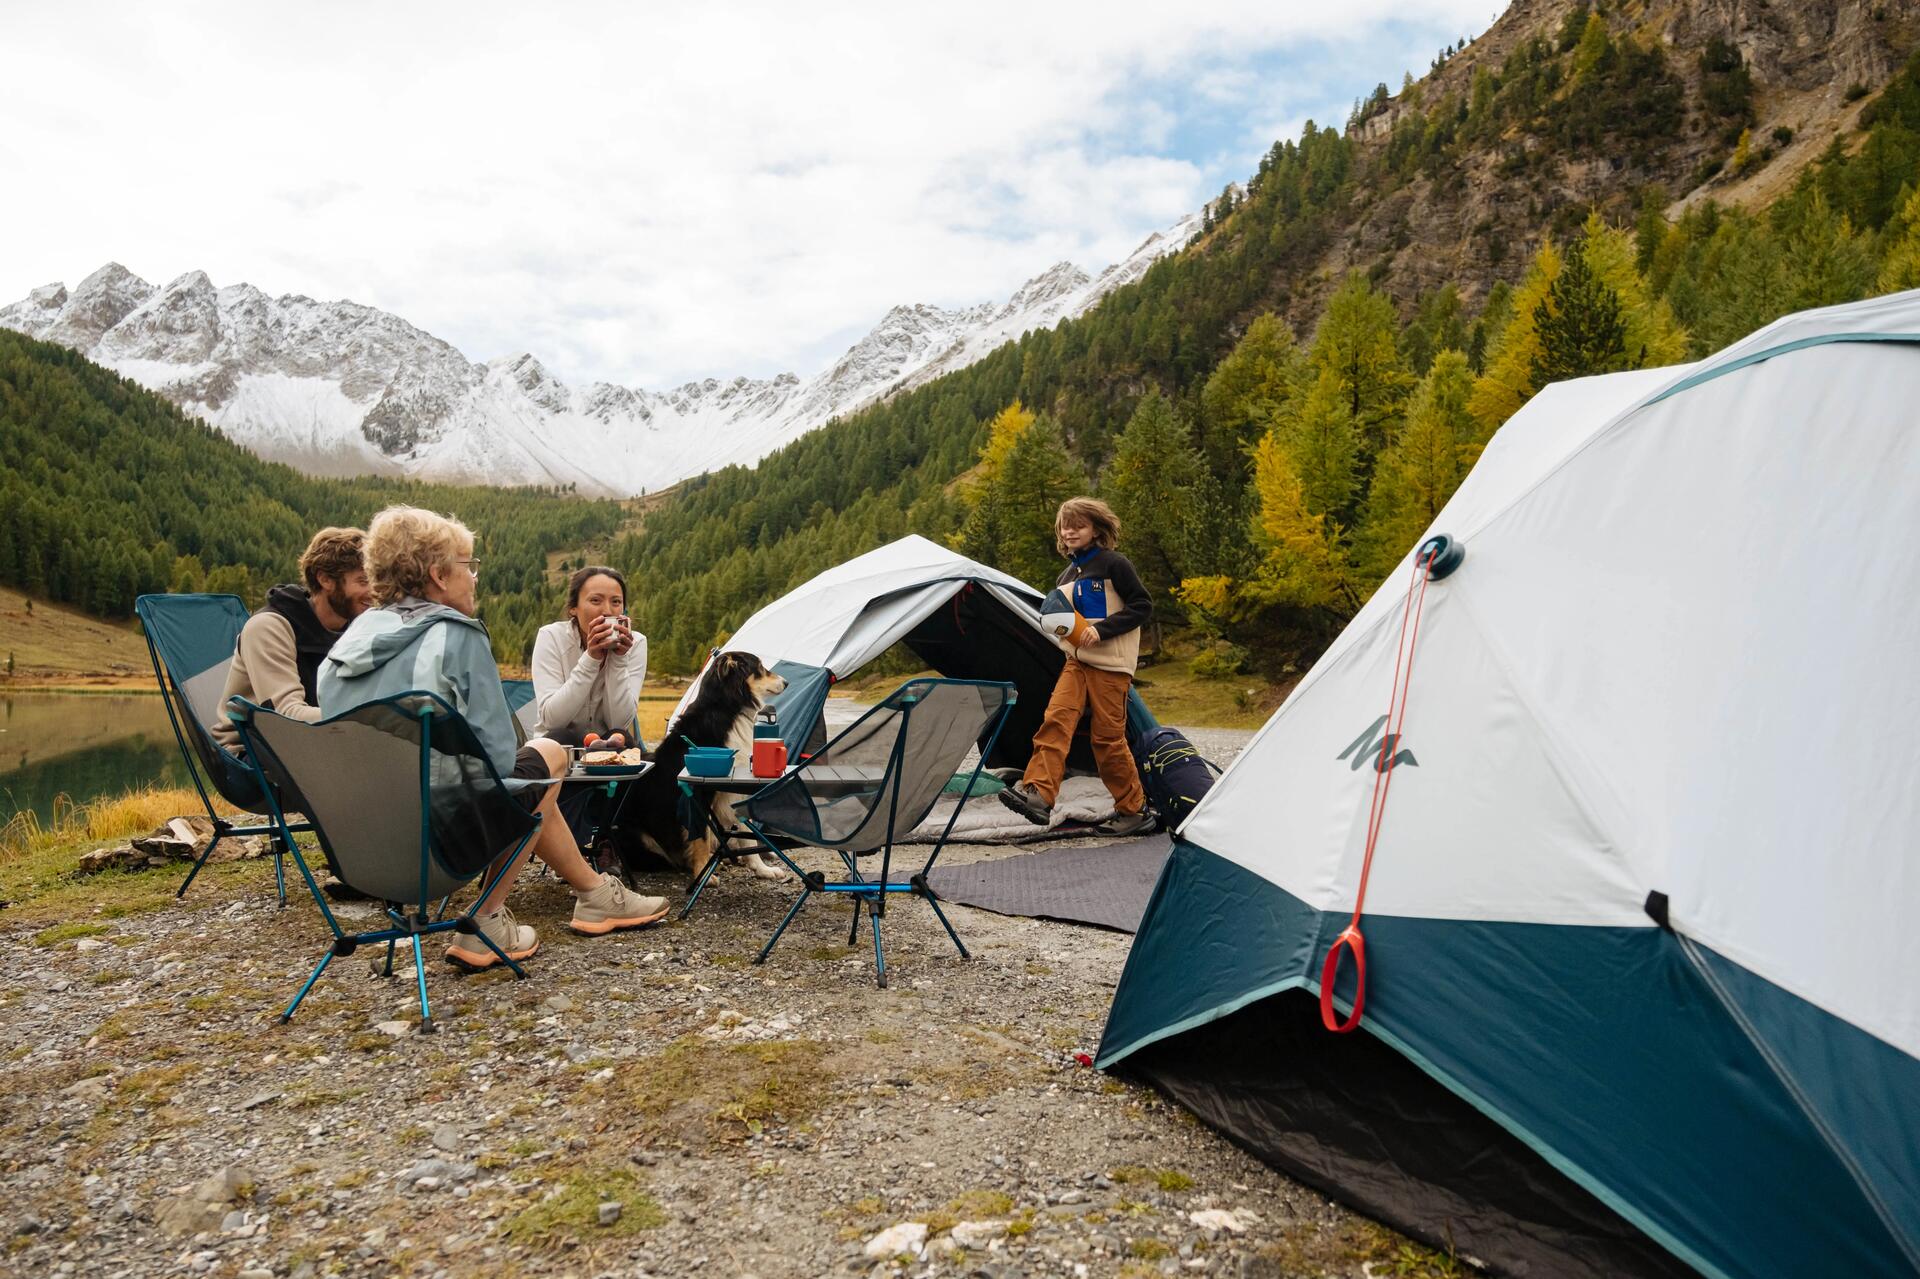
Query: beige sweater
[[265, 672]]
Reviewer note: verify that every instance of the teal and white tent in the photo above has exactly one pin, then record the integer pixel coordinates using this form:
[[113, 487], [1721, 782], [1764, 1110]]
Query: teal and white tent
[[1642, 929]]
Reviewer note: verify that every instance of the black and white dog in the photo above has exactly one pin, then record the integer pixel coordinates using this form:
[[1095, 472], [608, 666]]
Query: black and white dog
[[733, 688]]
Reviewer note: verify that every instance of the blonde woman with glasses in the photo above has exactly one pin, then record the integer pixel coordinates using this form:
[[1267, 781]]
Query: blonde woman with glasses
[[424, 635]]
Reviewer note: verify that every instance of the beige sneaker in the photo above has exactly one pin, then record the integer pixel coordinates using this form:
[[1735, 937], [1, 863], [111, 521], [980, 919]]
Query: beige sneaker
[[516, 939], [611, 906]]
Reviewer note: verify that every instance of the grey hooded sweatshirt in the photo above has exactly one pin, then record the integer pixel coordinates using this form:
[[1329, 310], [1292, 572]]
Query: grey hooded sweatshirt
[[416, 645]]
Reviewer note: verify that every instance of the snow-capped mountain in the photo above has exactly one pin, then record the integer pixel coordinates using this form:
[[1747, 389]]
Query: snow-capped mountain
[[336, 388]]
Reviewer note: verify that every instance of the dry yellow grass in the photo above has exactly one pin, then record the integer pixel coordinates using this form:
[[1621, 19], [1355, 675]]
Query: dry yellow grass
[[134, 813]]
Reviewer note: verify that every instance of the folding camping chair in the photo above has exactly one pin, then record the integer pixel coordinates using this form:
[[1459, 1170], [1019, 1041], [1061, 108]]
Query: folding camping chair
[[407, 806], [191, 639], [878, 778]]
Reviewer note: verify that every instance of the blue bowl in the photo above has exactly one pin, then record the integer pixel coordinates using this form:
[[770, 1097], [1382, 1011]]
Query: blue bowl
[[710, 761]]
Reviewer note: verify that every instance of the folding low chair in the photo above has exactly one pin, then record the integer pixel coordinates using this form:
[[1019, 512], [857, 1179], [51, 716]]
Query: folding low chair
[[877, 779], [519, 695], [407, 806], [191, 639]]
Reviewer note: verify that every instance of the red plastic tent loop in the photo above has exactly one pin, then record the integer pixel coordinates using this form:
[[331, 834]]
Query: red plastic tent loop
[[1350, 938]]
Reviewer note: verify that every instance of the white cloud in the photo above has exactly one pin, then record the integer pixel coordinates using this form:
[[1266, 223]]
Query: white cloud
[[647, 196]]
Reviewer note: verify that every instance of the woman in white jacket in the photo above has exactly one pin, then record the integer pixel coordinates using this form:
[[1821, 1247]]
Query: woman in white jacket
[[588, 669]]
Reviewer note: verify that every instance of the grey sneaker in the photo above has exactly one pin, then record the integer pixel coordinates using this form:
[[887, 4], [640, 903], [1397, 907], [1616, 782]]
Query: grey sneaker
[[1025, 800], [613, 906], [1119, 823], [513, 937]]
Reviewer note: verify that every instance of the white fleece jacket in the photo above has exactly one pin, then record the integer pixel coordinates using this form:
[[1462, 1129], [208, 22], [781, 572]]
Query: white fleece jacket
[[578, 693]]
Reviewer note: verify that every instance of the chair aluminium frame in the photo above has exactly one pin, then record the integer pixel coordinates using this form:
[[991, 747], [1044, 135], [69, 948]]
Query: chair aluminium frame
[[418, 925], [149, 607], [873, 893]]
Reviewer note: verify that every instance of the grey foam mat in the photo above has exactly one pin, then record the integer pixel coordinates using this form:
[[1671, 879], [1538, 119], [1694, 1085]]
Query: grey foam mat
[[1107, 886]]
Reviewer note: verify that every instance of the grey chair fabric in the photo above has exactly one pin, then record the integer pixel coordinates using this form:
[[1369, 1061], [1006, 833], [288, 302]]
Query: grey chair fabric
[[361, 773], [909, 747]]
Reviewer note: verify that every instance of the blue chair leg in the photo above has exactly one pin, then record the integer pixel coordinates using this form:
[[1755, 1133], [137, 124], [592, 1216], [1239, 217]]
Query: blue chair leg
[[321, 967], [388, 971], [700, 885], [767, 949], [212, 844], [853, 930], [879, 953], [942, 915], [280, 870], [420, 973]]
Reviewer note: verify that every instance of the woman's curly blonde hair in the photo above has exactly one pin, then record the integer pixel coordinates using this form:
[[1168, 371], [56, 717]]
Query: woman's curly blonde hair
[[405, 544]]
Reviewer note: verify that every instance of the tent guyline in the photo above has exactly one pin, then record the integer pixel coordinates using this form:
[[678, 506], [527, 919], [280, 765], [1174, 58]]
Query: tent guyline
[[1436, 558]]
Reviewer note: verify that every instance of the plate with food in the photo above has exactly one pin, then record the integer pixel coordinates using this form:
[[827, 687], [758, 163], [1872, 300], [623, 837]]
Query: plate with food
[[601, 761]]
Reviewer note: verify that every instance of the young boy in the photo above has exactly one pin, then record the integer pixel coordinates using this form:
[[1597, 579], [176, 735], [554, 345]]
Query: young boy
[[1103, 647]]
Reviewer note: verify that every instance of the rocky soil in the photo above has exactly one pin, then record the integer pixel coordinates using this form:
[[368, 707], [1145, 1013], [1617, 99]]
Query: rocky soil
[[650, 1103]]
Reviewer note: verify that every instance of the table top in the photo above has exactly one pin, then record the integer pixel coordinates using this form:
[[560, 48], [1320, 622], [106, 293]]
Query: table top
[[817, 777]]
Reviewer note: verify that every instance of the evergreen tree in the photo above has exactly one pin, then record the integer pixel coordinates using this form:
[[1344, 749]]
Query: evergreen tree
[[1302, 560], [1322, 441], [1356, 343], [1581, 326], [1157, 483], [1901, 267], [1421, 469], [1507, 382], [1246, 394]]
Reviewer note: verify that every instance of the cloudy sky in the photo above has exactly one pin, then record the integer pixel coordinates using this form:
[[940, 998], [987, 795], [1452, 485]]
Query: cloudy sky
[[647, 196]]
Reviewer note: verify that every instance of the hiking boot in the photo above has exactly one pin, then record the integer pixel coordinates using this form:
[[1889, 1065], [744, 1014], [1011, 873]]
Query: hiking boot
[[513, 937], [613, 906], [1119, 823], [1025, 800]]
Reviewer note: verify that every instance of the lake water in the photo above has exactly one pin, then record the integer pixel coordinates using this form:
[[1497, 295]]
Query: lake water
[[82, 746]]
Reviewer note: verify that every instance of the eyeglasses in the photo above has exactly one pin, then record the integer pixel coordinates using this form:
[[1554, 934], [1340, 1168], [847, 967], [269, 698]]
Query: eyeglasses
[[473, 566]]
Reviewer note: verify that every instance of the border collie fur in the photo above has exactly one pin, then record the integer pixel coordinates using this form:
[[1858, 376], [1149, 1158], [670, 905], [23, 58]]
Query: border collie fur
[[732, 690]]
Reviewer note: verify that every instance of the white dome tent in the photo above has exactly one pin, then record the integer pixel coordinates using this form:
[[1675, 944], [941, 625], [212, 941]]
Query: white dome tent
[[962, 618], [1643, 970]]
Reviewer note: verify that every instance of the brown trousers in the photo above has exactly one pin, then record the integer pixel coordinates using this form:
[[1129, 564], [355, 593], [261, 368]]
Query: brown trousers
[[1104, 693]]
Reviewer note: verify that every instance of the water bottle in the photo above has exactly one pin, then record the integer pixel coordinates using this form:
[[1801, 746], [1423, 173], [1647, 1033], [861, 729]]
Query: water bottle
[[769, 748]]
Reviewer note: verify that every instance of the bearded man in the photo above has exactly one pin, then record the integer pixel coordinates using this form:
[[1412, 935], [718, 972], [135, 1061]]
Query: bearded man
[[277, 660]]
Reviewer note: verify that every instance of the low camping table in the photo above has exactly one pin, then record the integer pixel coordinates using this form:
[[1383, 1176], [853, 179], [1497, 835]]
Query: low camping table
[[619, 782], [821, 779]]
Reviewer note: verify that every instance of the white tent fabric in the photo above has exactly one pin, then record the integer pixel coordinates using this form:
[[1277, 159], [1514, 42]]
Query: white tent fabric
[[853, 612], [1678, 658]]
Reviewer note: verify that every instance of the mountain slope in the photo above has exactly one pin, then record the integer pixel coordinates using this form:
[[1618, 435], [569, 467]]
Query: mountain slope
[[336, 388]]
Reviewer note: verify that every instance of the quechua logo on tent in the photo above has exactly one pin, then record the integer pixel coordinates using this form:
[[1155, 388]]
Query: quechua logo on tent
[[1368, 748]]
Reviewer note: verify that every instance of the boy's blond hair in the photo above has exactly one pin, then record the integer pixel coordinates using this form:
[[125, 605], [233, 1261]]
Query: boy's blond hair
[[1092, 512], [405, 544]]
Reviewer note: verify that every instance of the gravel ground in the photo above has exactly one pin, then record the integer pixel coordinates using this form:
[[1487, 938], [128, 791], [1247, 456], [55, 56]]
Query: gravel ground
[[776, 1120]]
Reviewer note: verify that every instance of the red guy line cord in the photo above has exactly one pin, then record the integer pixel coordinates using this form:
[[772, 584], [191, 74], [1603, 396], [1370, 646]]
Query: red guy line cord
[[1350, 938]]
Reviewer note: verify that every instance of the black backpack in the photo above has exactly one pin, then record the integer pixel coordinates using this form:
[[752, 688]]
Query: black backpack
[[1174, 774]]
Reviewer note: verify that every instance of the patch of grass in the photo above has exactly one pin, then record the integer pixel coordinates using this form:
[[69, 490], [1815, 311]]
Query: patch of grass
[[110, 976], [868, 1206], [351, 1180], [881, 1035], [829, 954], [570, 1212], [975, 1204], [733, 1090], [523, 1147], [154, 1086], [1149, 1249], [68, 932], [727, 960], [1172, 1180], [1021, 1225]]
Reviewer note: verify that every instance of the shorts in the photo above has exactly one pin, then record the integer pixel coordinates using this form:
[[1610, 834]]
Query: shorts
[[530, 765]]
